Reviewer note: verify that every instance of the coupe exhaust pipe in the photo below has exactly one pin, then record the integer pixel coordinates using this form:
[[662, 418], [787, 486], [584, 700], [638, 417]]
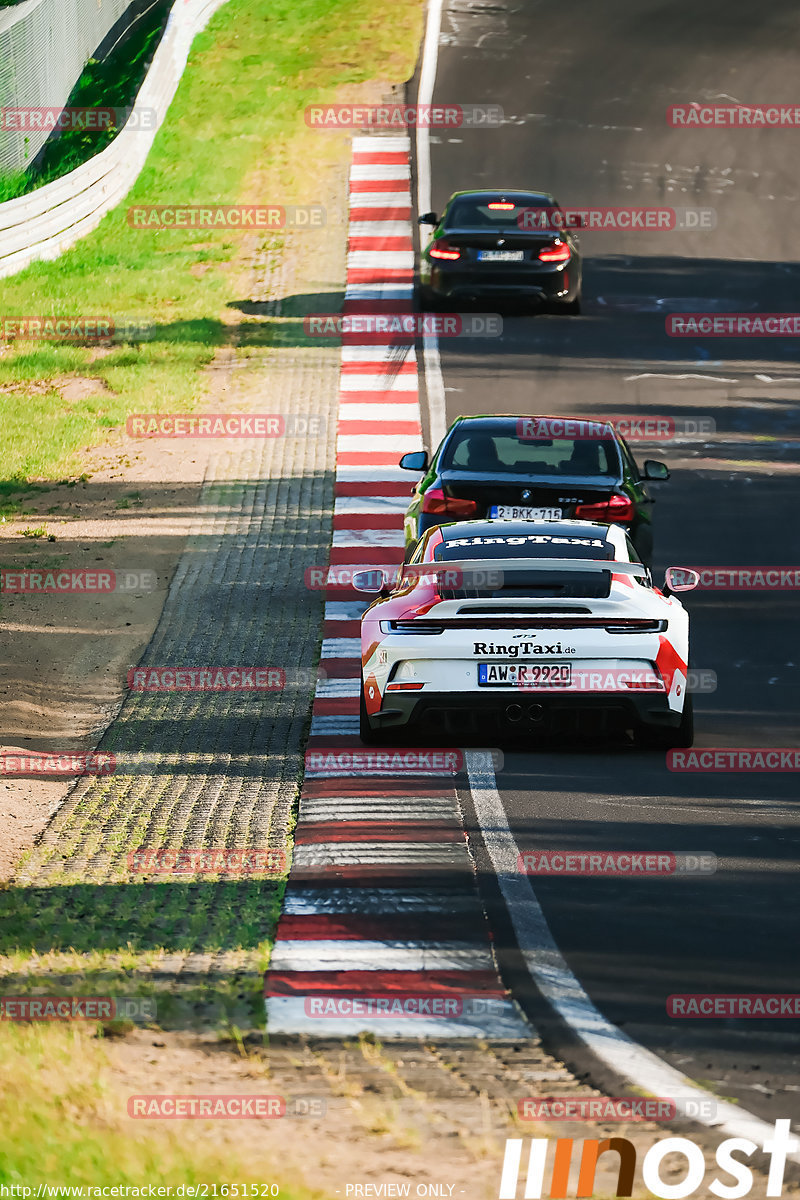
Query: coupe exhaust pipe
[[514, 713]]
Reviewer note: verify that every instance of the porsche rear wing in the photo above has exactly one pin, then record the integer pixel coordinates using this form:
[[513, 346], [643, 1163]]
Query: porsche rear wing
[[481, 566]]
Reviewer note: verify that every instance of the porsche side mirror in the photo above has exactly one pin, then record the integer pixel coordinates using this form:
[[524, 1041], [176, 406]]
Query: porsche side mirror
[[373, 582], [680, 579], [655, 470], [415, 460], [428, 218]]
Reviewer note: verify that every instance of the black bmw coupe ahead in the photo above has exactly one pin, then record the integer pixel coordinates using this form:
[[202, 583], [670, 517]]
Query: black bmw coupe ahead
[[533, 468], [512, 246]]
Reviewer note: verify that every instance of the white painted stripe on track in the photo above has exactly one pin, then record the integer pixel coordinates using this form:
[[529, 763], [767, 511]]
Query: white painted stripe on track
[[394, 811], [380, 200], [390, 412], [667, 375], [341, 648], [388, 353], [373, 260], [310, 901], [331, 689], [368, 537], [333, 723], [364, 442], [319, 954], [379, 816], [350, 798], [370, 505], [549, 969], [397, 143], [434, 382], [345, 610], [493, 1020], [383, 381], [379, 228], [364, 472], [361, 172], [387, 289], [390, 854]]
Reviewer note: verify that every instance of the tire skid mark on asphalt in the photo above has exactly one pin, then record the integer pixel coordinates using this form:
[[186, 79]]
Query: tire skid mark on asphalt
[[368, 851]]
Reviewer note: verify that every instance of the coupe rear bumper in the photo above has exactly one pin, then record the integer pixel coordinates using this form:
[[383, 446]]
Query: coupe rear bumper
[[510, 711]]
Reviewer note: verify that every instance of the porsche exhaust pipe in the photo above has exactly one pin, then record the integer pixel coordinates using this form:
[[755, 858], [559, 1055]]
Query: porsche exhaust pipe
[[535, 712], [514, 713]]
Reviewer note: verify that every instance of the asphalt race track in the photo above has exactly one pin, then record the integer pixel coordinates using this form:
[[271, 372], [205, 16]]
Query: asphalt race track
[[584, 88]]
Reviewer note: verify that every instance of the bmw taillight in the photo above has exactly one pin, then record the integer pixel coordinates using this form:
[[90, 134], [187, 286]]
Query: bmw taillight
[[441, 248], [557, 252], [437, 504], [619, 509]]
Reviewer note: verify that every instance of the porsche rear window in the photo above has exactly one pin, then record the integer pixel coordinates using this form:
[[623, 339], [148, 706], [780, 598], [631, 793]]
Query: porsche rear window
[[505, 453]]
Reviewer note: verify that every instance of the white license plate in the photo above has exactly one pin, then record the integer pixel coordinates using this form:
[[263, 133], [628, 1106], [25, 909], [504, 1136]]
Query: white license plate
[[500, 255], [510, 512], [524, 675]]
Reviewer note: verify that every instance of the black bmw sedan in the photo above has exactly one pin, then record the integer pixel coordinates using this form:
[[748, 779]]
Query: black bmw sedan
[[501, 246], [533, 468]]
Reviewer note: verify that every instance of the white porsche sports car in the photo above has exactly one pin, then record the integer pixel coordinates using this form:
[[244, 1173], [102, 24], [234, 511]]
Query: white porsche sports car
[[526, 628]]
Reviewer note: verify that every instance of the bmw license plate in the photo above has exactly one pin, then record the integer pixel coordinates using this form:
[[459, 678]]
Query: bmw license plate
[[500, 255], [524, 675], [511, 512]]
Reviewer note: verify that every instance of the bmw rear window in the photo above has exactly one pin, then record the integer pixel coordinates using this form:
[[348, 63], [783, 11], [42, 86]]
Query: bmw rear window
[[480, 451], [470, 214]]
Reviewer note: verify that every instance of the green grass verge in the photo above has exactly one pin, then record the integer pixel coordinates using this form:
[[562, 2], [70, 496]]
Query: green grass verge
[[63, 1125], [237, 117]]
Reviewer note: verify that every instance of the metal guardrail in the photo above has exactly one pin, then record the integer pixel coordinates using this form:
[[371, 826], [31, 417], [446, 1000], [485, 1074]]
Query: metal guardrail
[[44, 46], [44, 223]]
